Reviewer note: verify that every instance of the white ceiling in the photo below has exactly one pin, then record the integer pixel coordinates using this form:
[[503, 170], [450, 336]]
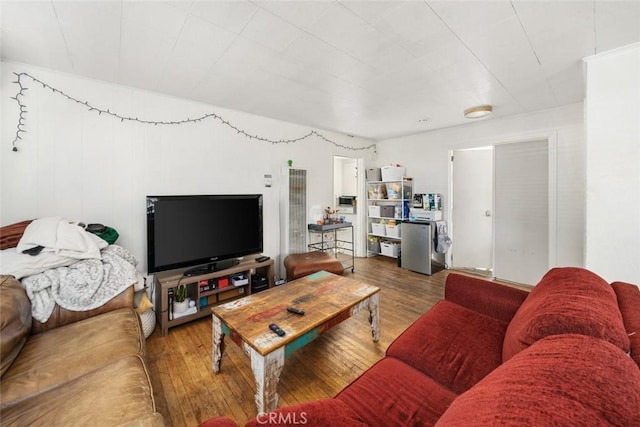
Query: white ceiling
[[366, 68]]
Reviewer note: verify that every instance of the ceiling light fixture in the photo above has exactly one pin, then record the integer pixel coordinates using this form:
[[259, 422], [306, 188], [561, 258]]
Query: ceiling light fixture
[[478, 112]]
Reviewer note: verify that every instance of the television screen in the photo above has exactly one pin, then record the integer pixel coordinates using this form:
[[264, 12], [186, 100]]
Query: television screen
[[185, 231]]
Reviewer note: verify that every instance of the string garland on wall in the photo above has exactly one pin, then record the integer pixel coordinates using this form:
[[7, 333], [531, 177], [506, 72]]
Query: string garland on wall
[[20, 128]]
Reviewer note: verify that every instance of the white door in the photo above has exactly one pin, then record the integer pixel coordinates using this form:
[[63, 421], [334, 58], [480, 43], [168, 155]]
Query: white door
[[522, 211], [472, 203]]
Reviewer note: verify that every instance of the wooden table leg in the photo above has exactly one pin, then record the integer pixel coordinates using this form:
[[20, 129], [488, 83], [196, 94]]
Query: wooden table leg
[[266, 370], [218, 343], [374, 316]]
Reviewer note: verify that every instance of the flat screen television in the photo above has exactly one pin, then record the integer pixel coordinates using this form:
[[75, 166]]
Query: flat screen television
[[209, 232]]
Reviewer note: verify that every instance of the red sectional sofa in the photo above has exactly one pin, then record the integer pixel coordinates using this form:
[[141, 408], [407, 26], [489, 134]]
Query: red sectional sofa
[[567, 353]]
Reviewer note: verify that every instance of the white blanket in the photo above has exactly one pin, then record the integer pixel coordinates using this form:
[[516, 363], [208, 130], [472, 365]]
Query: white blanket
[[82, 286], [61, 237]]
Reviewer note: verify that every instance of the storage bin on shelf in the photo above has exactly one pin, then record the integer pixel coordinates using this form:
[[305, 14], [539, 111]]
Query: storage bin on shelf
[[377, 191], [378, 228], [396, 190], [373, 244], [382, 211], [392, 173], [387, 211], [392, 230], [373, 174], [390, 248]]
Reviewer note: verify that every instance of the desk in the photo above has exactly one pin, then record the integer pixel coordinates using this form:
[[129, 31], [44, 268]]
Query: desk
[[341, 249]]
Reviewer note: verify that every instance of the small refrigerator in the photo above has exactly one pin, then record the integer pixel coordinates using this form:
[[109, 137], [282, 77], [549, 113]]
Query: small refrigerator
[[417, 246]]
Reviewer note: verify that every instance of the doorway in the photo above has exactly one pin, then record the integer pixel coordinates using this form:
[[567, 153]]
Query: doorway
[[349, 180], [501, 209]]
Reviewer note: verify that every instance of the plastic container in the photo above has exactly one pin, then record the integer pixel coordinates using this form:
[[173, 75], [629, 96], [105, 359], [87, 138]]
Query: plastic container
[[377, 228], [392, 173], [373, 246], [389, 249], [392, 230], [374, 210], [393, 190]]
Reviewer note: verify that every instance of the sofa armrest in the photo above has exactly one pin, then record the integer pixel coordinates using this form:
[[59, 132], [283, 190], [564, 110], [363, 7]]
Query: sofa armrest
[[629, 301], [483, 296], [61, 316]]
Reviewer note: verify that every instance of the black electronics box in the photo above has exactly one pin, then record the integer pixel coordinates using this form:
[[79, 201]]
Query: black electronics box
[[258, 283]]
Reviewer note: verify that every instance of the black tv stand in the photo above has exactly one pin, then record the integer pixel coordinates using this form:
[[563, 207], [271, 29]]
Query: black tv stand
[[210, 268]]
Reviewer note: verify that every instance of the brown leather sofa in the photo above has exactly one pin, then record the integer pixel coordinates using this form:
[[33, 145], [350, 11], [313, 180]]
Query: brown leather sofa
[[83, 368]]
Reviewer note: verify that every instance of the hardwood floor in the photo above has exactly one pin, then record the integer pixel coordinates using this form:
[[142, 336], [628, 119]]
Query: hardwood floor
[[188, 392]]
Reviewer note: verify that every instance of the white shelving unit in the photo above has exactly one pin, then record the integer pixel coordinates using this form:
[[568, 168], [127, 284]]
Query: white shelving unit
[[387, 201]]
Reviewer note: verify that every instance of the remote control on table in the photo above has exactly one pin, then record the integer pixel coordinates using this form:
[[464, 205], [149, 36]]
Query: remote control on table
[[262, 258], [295, 310], [275, 328]]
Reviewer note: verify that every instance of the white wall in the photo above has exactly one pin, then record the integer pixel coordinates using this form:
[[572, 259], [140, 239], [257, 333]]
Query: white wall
[[613, 164], [96, 169], [427, 159]]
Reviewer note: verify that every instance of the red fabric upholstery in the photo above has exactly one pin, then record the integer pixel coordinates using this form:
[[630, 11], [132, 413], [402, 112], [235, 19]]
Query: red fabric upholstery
[[453, 345], [392, 393], [562, 380], [317, 413], [567, 300], [485, 297], [565, 364], [629, 303]]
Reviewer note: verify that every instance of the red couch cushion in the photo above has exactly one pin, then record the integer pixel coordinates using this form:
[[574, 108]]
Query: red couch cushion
[[567, 300], [562, 380], [317, 413], [393, 393], [453, 345], [629, 303], [484, 296]]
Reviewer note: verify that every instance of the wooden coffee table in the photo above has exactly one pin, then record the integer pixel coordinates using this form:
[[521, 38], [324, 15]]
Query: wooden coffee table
[[327, 300]]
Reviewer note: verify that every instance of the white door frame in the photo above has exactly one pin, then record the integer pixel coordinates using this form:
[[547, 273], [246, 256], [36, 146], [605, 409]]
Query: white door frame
[[360, 227]]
